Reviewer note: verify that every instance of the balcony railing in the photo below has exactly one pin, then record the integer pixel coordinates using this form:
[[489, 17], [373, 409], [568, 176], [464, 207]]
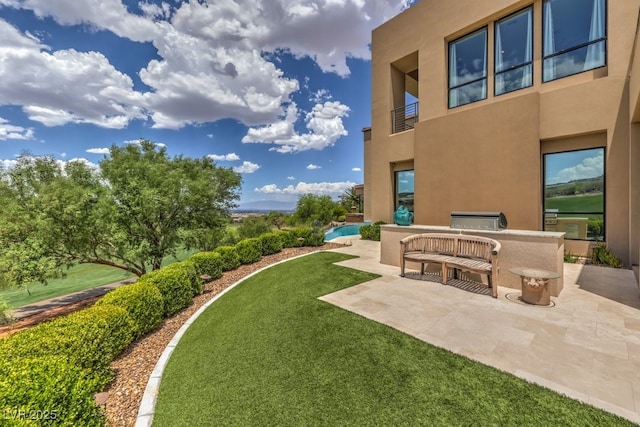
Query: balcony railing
[[404, 118]]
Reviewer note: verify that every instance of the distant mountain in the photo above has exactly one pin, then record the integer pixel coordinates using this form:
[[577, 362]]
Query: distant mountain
[[266, 205]]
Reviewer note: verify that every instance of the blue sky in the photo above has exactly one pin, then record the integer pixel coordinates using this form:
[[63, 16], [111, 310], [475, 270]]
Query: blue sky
[[279, 90]]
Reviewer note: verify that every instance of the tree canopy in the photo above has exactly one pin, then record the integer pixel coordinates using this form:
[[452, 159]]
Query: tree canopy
[[139, 206]]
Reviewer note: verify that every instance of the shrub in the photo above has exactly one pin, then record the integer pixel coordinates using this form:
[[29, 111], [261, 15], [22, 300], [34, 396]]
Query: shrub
[[190, 272], [287, 238], [371, 231], [253, 226], [5, 316], [249, 250], [144, 303], [342, 218], [89, 338], [307, 237], [50, 389], [175, 286], [602, 255], [230, 258], [271, 243], [570, 258], [208, 263]]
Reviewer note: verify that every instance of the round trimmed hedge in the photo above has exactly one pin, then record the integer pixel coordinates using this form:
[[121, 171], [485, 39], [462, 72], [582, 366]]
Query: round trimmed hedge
[[249, 250], [175, 285], [144, 303], [208, 263], [271, 243], [230, 258]]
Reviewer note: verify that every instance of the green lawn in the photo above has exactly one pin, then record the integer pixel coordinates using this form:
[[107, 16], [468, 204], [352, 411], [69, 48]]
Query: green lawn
[[270, 353], [79, 278], [590, 203]]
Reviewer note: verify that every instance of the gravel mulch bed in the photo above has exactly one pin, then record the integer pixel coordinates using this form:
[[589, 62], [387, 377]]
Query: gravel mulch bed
[[134, 366]]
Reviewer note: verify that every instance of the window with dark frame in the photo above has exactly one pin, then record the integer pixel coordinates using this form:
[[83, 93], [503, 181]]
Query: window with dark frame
[[468, 68], [574, 193], [404, 191], [513, 47], [574, 37]]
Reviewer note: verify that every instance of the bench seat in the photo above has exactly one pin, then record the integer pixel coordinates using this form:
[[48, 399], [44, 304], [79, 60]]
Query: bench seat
[[460, 252]]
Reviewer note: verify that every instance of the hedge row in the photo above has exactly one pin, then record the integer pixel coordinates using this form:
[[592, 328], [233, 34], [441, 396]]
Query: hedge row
[[51, 372]]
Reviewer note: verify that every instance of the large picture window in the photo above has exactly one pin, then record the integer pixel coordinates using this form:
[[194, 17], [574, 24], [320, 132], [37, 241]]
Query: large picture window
[[404, 189], [574, 37], [574, 193], [468, 69], [513, 52]]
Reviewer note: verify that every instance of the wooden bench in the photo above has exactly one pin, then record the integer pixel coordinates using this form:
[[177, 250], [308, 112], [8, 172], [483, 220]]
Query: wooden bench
[[461, 252]]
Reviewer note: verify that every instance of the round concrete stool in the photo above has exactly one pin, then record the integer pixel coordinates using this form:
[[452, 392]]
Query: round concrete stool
[[535, 284]]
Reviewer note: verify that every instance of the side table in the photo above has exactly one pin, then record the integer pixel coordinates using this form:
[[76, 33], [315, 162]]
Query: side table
[[535, 284]]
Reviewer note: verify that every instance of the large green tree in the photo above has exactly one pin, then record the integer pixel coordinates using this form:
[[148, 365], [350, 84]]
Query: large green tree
[[139, 206]]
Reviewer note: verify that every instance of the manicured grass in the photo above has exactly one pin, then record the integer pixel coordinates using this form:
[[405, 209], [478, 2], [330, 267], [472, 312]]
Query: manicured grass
[[590, 203], [270, 353], [79, 278]]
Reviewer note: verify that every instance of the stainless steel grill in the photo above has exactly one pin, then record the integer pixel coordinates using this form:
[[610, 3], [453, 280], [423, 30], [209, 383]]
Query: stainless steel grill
[[478, 220]]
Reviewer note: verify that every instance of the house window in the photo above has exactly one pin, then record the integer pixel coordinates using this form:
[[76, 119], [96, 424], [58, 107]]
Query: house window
[[574, 193], [468, 69], [404, 189], [574, 37], [513, 52]]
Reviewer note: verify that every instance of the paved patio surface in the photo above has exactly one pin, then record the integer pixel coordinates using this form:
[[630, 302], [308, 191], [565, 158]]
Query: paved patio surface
[[586, 345]]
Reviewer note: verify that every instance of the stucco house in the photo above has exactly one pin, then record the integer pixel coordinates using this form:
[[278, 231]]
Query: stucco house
[[530, 108]]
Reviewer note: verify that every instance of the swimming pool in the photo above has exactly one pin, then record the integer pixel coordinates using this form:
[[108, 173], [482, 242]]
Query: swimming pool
[[344, 230]]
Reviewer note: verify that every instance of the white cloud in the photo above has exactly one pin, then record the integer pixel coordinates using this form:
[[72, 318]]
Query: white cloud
[[7, 163], [318, 188], [291, 178], [224, 157], [589, 168], [9, 131], [324, 124], [321, 96], [65, 86], [139, 142], [215, 59], [109, 15], [98, 150], [311, 166], [246, 167], [356, 170]]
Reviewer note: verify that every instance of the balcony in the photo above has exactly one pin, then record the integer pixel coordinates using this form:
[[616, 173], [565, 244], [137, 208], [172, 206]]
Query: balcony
[[404, 118]]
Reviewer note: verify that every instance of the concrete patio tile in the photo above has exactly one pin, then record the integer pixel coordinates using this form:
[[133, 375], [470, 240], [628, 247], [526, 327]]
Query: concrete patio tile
[[554, 349], [597, 343], [613, 367], [618, 333], [634, 353]]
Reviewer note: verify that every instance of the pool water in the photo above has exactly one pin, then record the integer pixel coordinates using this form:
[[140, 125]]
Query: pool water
[[344, 230]]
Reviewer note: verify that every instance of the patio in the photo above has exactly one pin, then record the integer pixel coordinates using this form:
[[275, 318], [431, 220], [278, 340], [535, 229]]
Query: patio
[[586, 345]]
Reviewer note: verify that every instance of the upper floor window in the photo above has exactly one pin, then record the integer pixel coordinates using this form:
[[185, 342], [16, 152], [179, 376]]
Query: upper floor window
[[513, 52], [574, 37], [468, 68]]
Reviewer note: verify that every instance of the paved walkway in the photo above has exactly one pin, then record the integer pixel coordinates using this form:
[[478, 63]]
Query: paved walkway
[[586, 345], [61, 301]]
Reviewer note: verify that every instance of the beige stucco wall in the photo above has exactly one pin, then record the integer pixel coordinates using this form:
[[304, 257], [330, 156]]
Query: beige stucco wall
[[487, 155]]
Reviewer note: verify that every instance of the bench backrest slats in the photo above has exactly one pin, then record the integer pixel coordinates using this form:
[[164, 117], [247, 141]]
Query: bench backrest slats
[[466, 246], [442, 245], [469, 248]]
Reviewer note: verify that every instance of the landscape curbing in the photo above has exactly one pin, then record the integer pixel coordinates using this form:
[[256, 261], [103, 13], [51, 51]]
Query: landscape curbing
[[146, 411]]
